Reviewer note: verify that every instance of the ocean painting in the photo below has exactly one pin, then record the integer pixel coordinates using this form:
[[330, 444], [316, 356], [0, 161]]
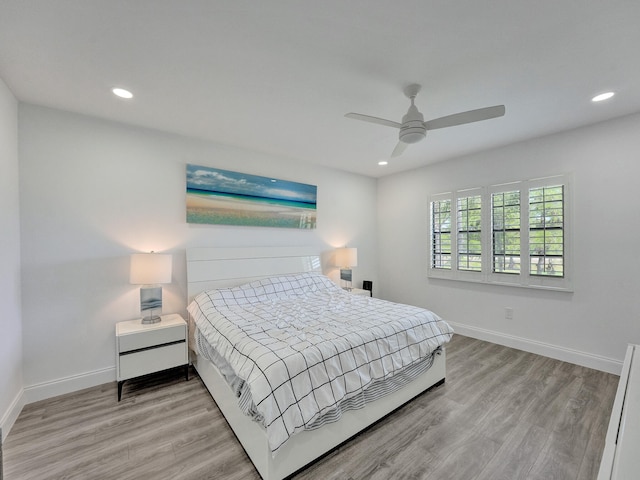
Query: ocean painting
[[216, 196]]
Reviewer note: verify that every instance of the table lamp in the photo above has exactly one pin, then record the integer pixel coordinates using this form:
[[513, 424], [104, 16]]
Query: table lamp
[[345, 259], [150, 270]]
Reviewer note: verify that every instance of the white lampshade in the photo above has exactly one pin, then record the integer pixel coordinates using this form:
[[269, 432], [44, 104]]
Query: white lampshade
[[150, 268], [347, 257]]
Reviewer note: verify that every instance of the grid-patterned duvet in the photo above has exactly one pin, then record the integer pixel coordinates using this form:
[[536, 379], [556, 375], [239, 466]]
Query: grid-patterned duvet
[[303, 345]]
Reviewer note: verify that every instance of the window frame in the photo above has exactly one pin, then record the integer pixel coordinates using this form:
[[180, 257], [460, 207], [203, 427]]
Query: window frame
[[487, 275]]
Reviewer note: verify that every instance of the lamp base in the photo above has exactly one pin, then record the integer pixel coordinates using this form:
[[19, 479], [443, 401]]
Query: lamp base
[[346, 275], [151, 319], [150, 302]]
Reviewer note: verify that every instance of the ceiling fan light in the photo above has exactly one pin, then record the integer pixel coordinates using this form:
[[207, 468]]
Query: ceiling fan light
[[412, 135]]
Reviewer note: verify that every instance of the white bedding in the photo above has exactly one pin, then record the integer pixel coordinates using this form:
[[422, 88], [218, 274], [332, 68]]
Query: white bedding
[[303, 344]]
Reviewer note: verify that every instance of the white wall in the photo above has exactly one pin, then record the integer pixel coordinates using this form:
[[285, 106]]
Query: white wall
[[92, 192], [10, 322], [590, 326]]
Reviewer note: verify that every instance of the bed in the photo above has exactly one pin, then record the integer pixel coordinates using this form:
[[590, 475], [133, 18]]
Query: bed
[[228, 276]]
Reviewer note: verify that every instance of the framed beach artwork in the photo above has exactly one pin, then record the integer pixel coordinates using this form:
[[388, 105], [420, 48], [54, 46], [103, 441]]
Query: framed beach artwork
[[216, 196]]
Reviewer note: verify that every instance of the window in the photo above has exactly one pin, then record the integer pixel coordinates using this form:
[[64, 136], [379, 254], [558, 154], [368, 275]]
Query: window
[[441, 236], [514, 234], [505, 208], [546, 231], [469, 233]]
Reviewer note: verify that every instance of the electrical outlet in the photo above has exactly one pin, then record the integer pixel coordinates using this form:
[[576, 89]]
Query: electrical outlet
[[508, 313]]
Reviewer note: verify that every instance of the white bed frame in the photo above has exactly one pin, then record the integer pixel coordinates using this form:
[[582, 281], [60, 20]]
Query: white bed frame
[[224, 267]]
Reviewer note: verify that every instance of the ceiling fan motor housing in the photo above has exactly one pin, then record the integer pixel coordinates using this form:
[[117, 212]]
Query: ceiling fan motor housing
[[412, 129]]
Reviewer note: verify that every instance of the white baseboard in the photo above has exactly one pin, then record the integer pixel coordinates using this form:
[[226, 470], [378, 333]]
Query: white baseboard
[[42, 391], [576, 357], [11, 415]]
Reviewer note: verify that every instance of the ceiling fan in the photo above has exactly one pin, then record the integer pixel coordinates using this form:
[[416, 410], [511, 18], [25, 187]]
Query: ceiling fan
[[413, 127]]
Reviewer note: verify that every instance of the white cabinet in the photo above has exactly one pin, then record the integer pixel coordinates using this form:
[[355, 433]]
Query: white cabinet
[[147, 348], [620, 459]]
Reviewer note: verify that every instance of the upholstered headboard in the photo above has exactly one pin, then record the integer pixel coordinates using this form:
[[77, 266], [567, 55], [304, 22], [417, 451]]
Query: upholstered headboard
[[219, 267]]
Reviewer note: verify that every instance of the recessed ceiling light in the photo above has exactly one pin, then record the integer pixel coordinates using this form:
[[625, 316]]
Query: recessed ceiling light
[[382, 163], [122, 93], [603, 96]]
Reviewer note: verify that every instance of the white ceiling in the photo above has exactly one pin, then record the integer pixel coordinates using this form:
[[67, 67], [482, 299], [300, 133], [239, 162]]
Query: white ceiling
[[278, 76]]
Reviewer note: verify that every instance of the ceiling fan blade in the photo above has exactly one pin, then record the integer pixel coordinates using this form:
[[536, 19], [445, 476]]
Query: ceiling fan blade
[[370, 119], [400, 148], [466, 117]]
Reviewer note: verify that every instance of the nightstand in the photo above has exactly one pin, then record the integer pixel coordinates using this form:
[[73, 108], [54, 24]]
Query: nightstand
[[360, 291], [149, 348]]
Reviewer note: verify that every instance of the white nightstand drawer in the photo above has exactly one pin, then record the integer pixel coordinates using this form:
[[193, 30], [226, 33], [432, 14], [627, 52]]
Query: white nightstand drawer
[[152, 360], [151, 337], [148, 348]]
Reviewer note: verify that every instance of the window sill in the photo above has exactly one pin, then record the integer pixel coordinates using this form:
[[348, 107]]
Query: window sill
[[473, 277]]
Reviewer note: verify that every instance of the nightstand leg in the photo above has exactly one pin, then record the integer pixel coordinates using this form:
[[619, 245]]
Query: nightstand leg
[[186, 371], [120, 383]]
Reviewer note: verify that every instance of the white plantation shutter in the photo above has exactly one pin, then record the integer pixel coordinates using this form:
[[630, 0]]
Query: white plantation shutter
[[469, 230], [441, 225]]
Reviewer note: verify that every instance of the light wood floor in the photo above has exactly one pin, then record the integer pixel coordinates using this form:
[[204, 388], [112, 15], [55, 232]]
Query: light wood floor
[[502, 414]]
